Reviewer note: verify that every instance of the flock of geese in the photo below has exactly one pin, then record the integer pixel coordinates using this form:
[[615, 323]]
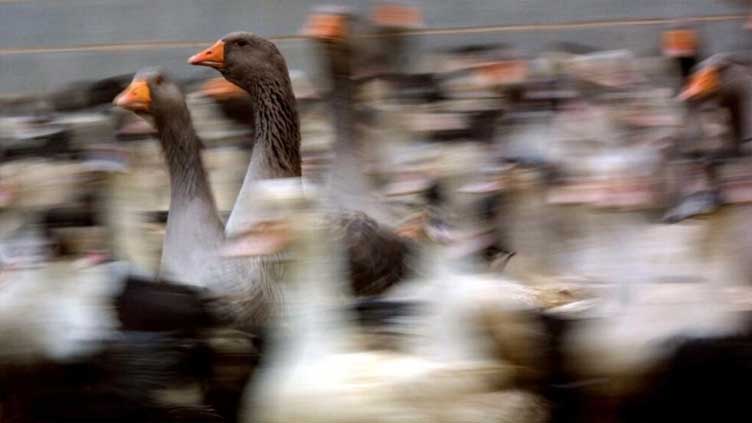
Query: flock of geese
[[309, 303]]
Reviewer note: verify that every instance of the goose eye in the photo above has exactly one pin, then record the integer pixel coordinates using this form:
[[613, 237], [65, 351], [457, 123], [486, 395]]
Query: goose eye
[[158, 80], [241, 43]]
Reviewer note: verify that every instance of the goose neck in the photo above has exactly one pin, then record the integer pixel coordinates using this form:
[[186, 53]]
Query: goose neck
[[314, 313], [182, 150], [276, 153]]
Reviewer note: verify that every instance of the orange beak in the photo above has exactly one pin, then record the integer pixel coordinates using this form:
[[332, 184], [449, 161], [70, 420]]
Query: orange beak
[[502, 72], [221, 89], [680, 43], [397, 15], [326, 27], [213, 57], [701, 84], [414, 228], [136, 98], [264, 238]]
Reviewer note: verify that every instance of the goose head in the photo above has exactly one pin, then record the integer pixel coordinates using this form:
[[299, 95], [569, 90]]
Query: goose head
[[707, 79], [243, 57], [727, 79], [151, 93]]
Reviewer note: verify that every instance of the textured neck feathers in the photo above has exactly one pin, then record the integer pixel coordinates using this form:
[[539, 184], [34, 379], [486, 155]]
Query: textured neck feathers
[[276, 153]]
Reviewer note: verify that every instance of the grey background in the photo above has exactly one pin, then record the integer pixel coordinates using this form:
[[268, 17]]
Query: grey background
[[45, 43]]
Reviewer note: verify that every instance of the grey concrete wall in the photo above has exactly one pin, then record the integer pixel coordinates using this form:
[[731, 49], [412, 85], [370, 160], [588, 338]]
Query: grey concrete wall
[[45, 43]]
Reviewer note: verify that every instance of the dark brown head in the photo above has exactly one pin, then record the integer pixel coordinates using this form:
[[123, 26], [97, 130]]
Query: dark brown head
[[243, 58], [151, 93]]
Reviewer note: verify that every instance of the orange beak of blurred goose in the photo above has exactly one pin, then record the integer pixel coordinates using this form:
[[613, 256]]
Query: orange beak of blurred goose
[[325, 26], [136, 98], [264, 238], [222, 89], [701, 84], [213, 57]]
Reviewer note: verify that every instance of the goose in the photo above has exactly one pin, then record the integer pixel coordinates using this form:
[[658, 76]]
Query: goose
[[194, 229], [681, 45], [32, 190], [88, 94], [331, 31], [313, 355], [315, 370], [464, 296], [703, 380], [390, 20], [87, 340], [725, 78], [264, 75], [377, 257], [232, 99], [616, 355]]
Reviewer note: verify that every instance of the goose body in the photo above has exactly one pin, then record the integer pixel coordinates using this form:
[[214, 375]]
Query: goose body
[[316, 371], [81, 343], [482, 315]]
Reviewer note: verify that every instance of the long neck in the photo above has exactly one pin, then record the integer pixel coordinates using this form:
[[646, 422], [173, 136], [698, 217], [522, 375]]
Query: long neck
[[738, 86], [346, 178], [182, 150], [315, 315], [342, 107], [194, 228], [349, 186], [444, 333], [276, 152]]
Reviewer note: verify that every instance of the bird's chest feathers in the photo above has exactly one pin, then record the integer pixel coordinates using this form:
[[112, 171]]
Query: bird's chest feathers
[[192, 237]]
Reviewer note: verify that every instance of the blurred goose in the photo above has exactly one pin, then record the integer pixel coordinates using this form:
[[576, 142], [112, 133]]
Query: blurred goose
[[232, 100], [331, 29], [614, 351], [727, 78], [316, 371], [84, 340], [391, 19], [475, 313], [88, 94], [681, 45]]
